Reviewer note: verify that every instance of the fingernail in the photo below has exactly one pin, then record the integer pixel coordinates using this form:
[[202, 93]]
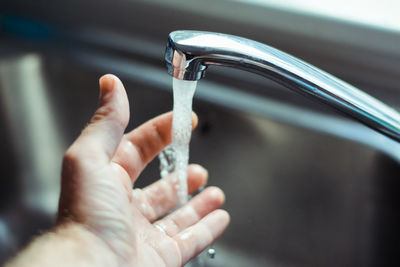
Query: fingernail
[[107, 83]]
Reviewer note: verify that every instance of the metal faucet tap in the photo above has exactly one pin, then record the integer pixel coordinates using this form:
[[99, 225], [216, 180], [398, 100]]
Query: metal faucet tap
[[189, 53]]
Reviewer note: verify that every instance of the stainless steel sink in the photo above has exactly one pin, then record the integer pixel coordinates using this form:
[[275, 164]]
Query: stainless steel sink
[[302, 188]]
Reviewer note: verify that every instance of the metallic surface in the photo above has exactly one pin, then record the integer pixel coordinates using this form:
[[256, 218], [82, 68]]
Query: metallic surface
[[189, 53]]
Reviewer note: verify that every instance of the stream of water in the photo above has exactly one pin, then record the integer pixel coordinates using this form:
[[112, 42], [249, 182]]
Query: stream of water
[[176, 156]]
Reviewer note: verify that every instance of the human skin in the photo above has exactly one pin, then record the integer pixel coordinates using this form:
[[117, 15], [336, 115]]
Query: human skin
[[102, 221]]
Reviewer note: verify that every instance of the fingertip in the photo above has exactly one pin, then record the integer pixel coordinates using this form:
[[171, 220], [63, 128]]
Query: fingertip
[[195, 120], [107, 83], [198, 170], [224, 216], [197, 177], [219, 220], [216, 194]]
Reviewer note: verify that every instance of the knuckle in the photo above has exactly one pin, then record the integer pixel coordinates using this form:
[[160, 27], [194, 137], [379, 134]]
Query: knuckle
[[112, 115], [101, 113], [160, 135]]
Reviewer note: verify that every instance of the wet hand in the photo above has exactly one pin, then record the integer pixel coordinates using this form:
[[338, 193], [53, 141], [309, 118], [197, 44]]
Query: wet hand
[[99, 170]]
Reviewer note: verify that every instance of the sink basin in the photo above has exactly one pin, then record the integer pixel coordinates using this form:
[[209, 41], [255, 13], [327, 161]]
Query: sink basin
[[298, 195]]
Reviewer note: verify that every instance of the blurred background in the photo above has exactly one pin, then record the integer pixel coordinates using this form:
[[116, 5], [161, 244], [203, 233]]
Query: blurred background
[[305, 186]]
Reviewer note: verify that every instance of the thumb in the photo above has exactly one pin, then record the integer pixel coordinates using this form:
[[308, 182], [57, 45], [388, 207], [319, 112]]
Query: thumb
[[102, 136]]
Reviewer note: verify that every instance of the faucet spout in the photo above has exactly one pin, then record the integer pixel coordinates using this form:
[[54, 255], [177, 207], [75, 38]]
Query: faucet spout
[[189, 53]]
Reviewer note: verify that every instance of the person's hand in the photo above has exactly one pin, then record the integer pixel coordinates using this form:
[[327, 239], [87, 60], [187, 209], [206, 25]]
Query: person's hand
[[99, 170]]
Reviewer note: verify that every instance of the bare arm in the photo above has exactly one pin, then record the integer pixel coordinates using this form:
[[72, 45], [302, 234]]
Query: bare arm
[[68, 245]]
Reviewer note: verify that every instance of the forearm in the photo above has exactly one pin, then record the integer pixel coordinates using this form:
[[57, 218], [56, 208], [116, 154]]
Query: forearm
[[68, 245]]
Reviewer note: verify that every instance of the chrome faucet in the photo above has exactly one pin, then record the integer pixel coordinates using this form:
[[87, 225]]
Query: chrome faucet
[[189, 53]]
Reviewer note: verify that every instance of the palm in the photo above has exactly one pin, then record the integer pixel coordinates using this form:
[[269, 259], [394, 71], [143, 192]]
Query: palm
[[98, 174]]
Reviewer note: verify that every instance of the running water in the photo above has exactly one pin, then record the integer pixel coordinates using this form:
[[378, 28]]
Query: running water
[[176, 156]]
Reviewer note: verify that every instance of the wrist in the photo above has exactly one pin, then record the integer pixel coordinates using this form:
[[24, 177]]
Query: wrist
[[69, 244], [85, 243]]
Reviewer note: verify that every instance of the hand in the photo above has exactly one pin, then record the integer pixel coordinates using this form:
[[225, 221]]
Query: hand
[[99, 170]]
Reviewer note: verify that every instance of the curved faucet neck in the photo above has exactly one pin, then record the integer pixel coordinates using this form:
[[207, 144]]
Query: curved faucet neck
[[189, 53]]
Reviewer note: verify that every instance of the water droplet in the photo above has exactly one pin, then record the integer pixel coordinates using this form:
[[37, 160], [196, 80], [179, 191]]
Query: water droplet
[[211, 253]]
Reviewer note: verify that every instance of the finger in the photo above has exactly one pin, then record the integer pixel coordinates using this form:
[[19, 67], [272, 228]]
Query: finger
[[158, 198], [100, 139], [196, 238], [141, 145], [207, 201]]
